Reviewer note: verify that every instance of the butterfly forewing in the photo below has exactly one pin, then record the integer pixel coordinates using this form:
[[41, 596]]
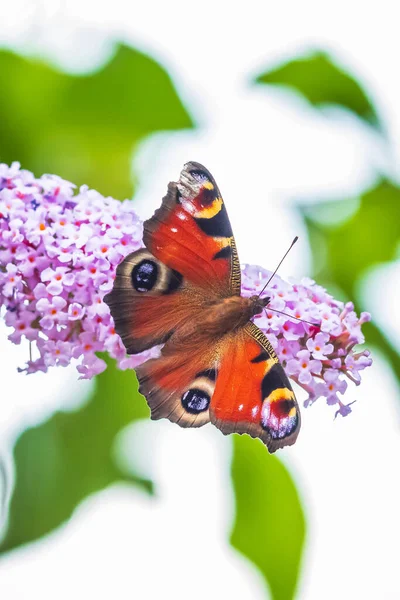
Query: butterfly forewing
[[191, 233]]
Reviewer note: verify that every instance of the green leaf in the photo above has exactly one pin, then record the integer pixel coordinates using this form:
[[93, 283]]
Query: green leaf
[[85, 128], [71, 455], [322, 82], [369, 237], [344, 252], [270, 526]]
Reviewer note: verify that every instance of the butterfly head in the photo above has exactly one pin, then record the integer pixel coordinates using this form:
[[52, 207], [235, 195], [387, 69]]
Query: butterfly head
[[258, 304]]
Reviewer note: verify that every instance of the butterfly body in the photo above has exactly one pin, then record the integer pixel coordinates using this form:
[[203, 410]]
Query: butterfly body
[[216, 319], [183, 290]]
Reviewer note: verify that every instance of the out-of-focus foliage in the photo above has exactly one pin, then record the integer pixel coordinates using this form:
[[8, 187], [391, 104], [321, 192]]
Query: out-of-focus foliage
[[270, 525], [370, 237], [85, 128], [343, 252], [70, 456], [323, 83]]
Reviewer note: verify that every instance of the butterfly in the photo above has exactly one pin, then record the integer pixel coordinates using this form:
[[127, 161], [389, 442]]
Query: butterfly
[[182, 290]]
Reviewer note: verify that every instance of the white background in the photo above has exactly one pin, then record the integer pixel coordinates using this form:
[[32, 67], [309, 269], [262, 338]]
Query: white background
[[265, 150]]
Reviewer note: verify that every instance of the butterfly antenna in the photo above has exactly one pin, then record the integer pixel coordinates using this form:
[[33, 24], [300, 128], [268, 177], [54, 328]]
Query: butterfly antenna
[[281, 261], [291, 316]]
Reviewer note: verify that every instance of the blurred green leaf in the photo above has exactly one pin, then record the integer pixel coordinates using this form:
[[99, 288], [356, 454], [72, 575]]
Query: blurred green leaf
[[369, 237], [344, 252], [66, 458], [323, 82], [85, 128], [270, 526]]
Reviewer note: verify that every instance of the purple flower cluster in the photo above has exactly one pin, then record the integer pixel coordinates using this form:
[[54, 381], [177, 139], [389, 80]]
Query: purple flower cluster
[[317, 357], [58, 254]]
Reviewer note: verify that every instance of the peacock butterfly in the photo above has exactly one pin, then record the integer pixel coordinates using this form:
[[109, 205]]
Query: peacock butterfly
[[183, 290]]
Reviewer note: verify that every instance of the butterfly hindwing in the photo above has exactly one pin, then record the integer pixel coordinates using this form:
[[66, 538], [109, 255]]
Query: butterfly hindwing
[[253, 394], [179, 386]]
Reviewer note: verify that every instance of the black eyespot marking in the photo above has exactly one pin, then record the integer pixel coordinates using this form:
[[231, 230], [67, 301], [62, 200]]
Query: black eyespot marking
[[261, 357], [195, 401], [144, 275], [209, 373], [225, 252], [217, 226]]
